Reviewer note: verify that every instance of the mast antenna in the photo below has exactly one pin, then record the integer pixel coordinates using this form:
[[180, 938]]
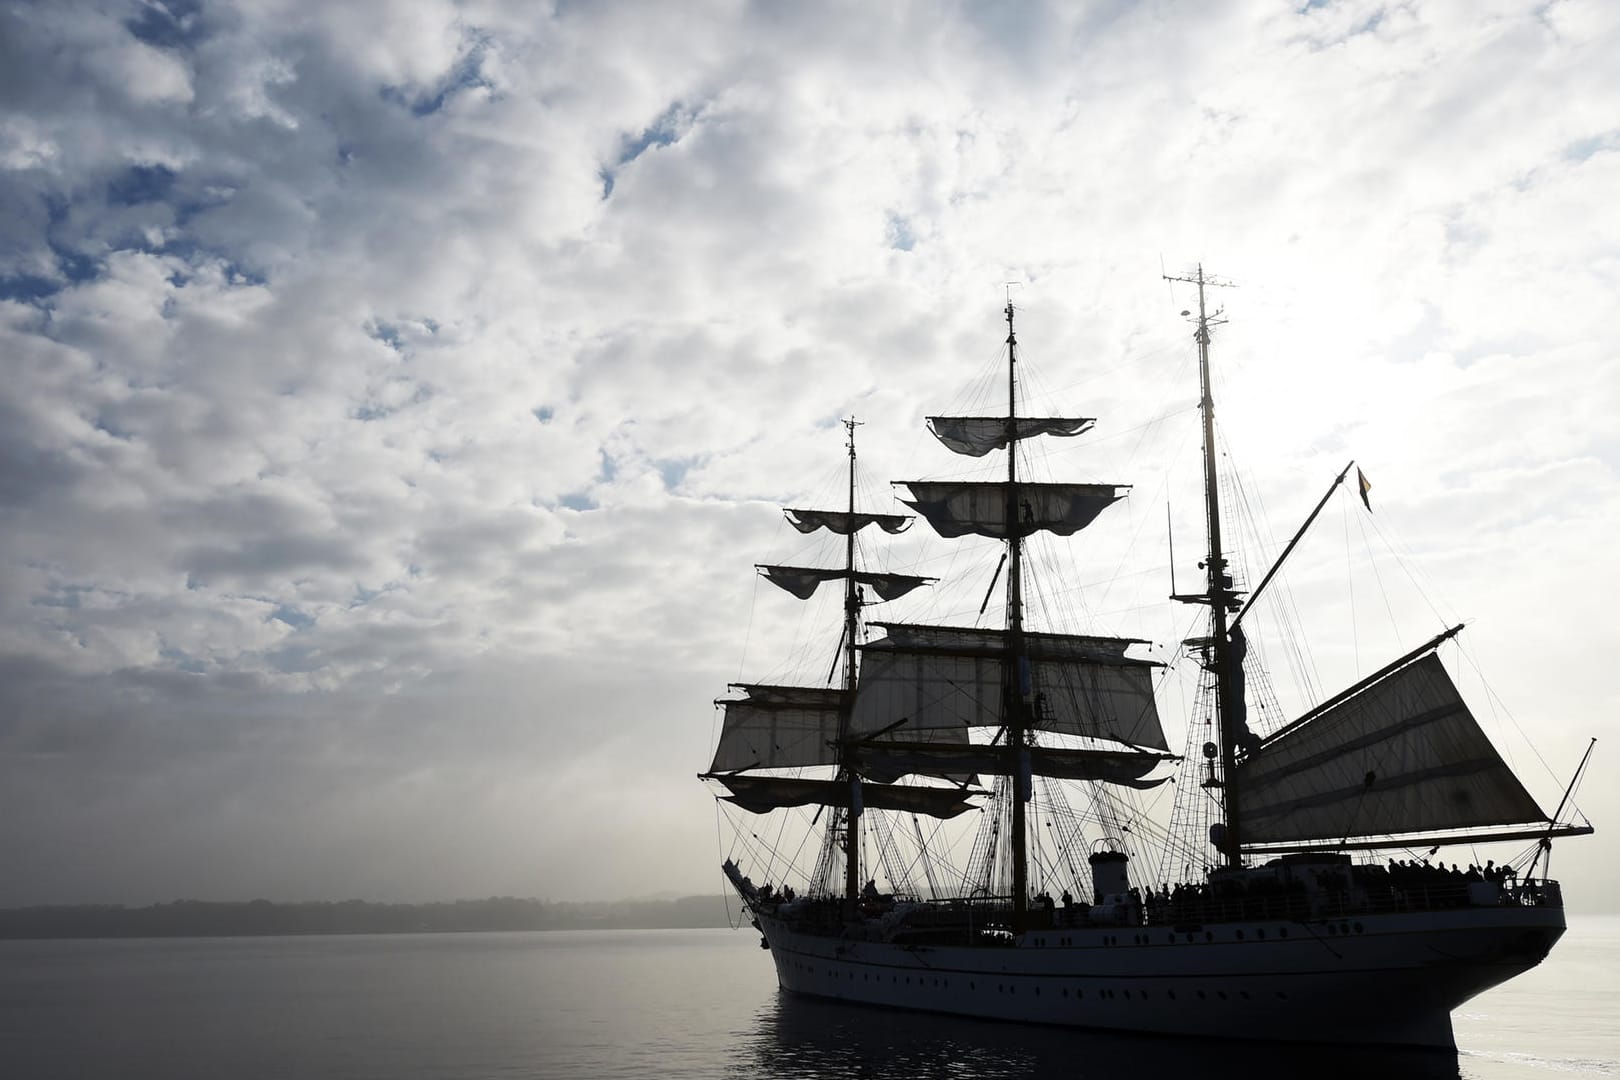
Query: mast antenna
[[1170, 532]]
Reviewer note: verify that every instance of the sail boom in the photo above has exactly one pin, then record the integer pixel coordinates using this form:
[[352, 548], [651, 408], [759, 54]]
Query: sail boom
[[1419, 840]]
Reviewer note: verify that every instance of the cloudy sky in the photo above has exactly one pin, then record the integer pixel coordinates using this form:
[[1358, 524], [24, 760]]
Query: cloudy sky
[[396, 397]]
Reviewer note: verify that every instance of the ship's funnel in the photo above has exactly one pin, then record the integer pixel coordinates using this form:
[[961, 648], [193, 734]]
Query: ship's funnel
[[1108, 876]]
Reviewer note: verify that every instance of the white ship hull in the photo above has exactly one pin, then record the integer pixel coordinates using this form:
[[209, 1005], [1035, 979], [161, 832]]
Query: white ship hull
[[1385, 978]]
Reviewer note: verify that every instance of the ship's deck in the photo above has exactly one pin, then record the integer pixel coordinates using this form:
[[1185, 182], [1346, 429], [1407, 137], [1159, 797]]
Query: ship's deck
[[988, 921]]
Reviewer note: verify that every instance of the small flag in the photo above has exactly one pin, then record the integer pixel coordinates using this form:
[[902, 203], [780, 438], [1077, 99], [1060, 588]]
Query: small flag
[[1365, 485]]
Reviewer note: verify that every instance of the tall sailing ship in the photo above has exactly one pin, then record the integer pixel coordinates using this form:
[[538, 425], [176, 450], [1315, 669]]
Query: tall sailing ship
[[1305, 908]]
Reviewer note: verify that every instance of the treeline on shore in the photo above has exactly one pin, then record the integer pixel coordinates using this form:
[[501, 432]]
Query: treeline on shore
[[202, 918]]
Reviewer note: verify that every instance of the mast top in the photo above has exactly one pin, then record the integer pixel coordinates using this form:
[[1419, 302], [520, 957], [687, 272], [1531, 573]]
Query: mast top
[[1205, 319], [1198, 277]]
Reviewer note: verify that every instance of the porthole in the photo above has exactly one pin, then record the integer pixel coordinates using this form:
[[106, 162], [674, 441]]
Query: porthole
[[1222, 994], [1240, 935], [1261, 933]]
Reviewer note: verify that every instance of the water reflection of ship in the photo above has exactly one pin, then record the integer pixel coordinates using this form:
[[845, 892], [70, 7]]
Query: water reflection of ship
[[803, 1038]]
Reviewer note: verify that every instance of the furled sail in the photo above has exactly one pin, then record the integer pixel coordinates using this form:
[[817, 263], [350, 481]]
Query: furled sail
[[1401, 754], [960, 508], [942, 678], [843, 523], [778, 727], [976, 436], [884, 758], [802, 581], [762, 794]]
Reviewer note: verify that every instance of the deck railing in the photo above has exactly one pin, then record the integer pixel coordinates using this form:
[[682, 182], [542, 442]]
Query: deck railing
[[993, 914]]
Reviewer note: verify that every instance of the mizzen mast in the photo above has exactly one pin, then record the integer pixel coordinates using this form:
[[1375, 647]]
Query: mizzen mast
[[1224, 659]]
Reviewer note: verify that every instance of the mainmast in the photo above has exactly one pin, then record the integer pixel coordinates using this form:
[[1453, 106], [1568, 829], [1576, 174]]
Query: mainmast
[[913, 658], [1014, 664], [852, 619], [1225, 657]]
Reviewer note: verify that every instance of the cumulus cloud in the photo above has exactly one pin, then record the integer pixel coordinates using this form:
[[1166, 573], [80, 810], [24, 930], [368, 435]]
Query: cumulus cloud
[[396, 399]]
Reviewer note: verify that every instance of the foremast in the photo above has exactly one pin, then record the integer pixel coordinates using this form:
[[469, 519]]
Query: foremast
[[775, 728]]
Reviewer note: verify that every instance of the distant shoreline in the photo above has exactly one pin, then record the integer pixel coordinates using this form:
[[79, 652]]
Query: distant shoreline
[[264, 918]]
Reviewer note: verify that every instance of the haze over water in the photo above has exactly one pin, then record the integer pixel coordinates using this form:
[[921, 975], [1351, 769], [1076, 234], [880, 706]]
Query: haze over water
[[655, 1003]]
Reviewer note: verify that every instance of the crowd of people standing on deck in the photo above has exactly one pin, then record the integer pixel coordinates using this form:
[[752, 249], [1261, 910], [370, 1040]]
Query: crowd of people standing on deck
[[1400, 883], [1409, 873]]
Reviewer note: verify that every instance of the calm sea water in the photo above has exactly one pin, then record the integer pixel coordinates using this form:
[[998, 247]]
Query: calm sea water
[[656, 1003]]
